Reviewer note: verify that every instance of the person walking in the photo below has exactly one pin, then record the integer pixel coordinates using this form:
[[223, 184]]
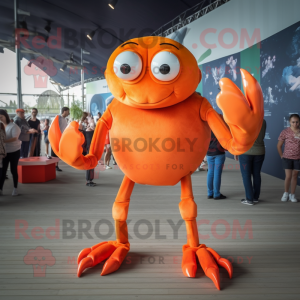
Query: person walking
[[215, 159], [250, 165], [34, 145], [290, 137], [63, 123], [24, 137], [12, 148]]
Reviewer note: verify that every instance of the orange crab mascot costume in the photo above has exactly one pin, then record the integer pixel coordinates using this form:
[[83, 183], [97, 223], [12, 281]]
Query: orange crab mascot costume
[[156, 117]]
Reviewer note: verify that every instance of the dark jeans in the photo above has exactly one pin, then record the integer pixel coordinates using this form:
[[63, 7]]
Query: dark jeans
[[24, 149], [13, 159], [89, 174], [215, 168], [251, 165]]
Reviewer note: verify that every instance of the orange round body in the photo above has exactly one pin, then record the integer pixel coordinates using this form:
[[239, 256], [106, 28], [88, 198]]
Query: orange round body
[[159, 146]]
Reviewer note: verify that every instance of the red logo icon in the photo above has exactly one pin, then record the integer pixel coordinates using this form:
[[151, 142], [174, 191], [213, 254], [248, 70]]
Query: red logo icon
[[39, 258], [38, 68]]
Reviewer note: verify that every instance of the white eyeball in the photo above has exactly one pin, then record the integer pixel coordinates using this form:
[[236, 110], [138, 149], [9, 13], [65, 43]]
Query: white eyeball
[[128, 65], [165, 66]]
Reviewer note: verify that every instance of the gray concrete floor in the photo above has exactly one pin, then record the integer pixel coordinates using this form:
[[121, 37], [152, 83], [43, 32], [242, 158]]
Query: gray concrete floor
[[265, 256]]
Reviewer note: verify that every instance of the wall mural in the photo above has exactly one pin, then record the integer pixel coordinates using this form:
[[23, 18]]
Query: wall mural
[[212, 72], [280, 82]]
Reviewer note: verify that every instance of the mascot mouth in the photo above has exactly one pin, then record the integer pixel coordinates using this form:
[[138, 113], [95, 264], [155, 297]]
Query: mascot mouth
[[132, 101]]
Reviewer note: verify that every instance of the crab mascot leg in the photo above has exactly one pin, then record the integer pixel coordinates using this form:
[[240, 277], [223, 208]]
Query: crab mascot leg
[[67, 146], [206, 256]]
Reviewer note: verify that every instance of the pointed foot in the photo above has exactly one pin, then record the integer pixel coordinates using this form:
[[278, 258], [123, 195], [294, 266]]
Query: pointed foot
[[110, 266], [225, 263], [213, 274], [85, 263], [208, 259], [90, 257], [115, 261], [189, 264]]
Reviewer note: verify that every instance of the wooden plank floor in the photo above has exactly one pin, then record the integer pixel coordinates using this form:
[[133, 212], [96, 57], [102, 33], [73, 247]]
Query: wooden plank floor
[[266, 258]]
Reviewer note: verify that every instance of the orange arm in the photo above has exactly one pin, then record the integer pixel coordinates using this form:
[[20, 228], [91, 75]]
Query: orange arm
[[68, 146], [244, 115]]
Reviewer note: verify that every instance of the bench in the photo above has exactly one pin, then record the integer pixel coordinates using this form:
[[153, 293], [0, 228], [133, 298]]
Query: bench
[[37, 169]]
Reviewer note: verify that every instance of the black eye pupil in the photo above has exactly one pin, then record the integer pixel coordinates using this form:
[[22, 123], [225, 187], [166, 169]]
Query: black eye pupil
[[125, 69], [164, 69]]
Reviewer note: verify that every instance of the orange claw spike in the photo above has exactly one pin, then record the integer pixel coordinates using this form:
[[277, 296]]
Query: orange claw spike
[[223, 262], [189, 264], [84, 264], [83, 253], [115, 261], [209, 266], [213, 274]]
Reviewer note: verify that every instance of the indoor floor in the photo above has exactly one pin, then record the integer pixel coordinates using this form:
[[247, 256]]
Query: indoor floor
[[261, 240]]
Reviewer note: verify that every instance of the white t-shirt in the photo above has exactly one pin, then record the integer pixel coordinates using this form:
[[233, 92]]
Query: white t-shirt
[[12, 130], [62, 123]]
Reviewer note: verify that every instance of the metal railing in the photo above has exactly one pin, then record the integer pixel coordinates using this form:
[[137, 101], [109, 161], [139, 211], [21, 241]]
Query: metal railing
[[182, 20]]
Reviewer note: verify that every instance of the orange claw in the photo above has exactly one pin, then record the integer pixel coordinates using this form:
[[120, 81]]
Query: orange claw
[[213, 274], [189, 264], [223, 262], [82, 254], [68, 146], [55, 135], [243, 114], [115, 261], [209, 266], [90, 257], [85, 263]]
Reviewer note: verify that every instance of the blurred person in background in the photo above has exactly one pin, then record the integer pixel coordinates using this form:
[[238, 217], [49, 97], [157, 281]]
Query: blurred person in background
[[24, 137], [63, 123], [34, 145], [250, 165], [107, 152], [82, 124], [45, 129], [88, 134], [215, 159], [12, 148], [2, 149], [99, 116], [290, 157]]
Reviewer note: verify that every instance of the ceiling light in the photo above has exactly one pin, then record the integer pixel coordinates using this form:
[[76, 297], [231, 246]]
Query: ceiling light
[[63, 67], [90, 35], [112, 4]]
